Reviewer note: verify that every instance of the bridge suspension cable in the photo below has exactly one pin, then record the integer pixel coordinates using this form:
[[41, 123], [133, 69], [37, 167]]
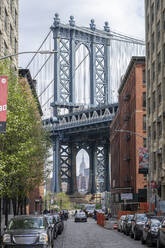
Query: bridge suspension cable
[[121, 49]]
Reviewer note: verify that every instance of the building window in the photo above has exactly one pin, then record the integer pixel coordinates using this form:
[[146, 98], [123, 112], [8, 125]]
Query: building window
[[159, 61], [158, 31], [15, 17], [148, 78], [149, 132], [148, 23], [148, 50], [144, 142], [15, 46], [152, 13], [5, 48], [154, 130], [160, 160], [144, 122], [144, 76], [157, 4], [153, 101], [149, 110], [153, 41], [164, 53], [164, 19], [154, 160], [159, 94], [153, 71], [159, 126], [11, 6], [144, 100], [5, 20], [11, 36]]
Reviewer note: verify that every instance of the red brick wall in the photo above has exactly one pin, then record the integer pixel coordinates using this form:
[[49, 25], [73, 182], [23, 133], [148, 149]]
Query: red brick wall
[[115, 153], [125, 170]]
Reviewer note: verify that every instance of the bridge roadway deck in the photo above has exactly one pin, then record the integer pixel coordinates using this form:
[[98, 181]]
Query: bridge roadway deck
[[90, 235]]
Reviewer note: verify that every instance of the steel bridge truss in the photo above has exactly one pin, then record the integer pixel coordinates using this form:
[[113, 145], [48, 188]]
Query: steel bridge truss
[[67, 39], [87, 129]]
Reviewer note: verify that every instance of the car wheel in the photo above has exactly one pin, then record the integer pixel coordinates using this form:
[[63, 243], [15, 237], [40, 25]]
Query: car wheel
[[142, 240], [131, 234], [135, 236], [52, 245], [158, 243], [55, 235]]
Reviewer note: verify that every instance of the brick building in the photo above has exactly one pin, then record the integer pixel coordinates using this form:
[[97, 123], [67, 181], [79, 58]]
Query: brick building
[[126, 181]]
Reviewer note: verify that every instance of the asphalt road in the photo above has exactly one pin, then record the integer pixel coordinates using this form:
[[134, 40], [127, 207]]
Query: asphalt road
[[90, 235]]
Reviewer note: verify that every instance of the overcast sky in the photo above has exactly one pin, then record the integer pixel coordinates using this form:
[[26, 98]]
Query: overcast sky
[[36, 17]]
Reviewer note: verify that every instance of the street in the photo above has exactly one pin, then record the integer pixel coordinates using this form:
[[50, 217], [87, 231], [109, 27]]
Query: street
[[90, 235]]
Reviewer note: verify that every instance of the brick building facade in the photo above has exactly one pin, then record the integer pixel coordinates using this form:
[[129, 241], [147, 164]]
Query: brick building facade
[[131, 116]]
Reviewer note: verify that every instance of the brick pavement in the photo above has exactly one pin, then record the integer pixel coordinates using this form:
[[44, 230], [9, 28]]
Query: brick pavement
[[90, 235]]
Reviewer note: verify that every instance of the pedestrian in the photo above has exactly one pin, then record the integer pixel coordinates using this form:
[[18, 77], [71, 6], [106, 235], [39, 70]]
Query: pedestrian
[[45, 211]]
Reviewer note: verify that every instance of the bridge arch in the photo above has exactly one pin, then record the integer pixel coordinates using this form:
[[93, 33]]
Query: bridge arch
[[82, 171]]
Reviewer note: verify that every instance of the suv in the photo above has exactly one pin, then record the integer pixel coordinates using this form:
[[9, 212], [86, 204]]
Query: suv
[[127, 224], [120, 223], [161, 235], [28, 231], [137, 225]]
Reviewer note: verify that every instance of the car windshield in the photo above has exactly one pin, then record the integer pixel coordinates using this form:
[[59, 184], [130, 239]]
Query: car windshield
[[50, 219], [130, 217], [81, 214], [141, 218], [26, 223], [155, 223]]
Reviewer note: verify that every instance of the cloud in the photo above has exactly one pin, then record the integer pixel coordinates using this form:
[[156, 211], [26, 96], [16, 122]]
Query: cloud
[[36, 17]]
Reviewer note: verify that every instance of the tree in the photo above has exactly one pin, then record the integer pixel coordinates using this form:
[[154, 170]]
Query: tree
[[63, 201], [24, 147]]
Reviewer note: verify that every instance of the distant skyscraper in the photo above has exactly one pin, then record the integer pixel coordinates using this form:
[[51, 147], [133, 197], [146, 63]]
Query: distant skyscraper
[[82, 166]]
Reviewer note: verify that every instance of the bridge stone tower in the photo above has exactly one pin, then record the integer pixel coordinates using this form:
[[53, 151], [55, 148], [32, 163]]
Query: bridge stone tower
[[69, 135]]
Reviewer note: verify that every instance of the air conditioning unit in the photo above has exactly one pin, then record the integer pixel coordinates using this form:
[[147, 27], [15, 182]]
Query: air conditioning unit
[[127, 137], [159, 120], [126, 118], [127, 158], [127, 97], [159, 152]]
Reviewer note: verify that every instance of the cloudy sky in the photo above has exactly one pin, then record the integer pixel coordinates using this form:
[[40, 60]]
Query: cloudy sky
[[36, 16]]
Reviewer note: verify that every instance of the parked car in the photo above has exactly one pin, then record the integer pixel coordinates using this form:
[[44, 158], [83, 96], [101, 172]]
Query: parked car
[[161, 235], [27, 231], [80, 217], [59, 223], [127, 224], [150, 231], [137, 225], [53, 224], [120, 223]]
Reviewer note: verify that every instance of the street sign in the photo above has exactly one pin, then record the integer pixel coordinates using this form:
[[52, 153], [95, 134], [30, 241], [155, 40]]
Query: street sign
[[126, 196], [3, 102]]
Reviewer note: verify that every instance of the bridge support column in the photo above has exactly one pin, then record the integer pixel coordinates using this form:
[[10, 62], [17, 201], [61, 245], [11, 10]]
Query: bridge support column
[[73, 182], [107, 168], [92, 171], [56, 165]]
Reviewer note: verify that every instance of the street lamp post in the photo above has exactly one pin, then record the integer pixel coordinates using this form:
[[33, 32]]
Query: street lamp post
[[150, 160]]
